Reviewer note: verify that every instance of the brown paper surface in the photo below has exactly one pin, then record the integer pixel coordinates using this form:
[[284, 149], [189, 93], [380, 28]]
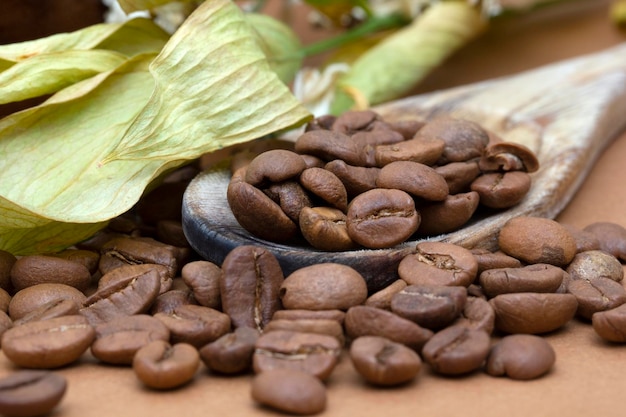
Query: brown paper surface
[[589, 377]]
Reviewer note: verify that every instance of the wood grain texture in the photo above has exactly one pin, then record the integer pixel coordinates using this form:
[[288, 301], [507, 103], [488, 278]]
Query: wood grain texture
[[567, 113]]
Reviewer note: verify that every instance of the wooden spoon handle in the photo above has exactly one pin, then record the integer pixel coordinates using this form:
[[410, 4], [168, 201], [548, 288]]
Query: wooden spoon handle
[[567, 113]]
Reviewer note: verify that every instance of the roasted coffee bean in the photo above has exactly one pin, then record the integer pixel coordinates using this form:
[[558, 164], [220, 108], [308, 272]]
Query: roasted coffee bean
[[382, 299], [134, 294], [422, 150], [121, 274], [597, 294], [118, 340], [371, 321], [432, 307], [508, 156], [50, 310], [170, 300], [42, 269], [5, 300], [611, 324], [330, 145], [355, 179], [88, 258], [48, 344], [203, 278], [325, 185], [195, 325], [324, 122], [171, 233], [382, 218], [493, 260], [31, 393], [257, 213], [456, 350], [419, 180], [501, 190], [459, 175], [250, 286], [318, 326], [439, 263], [134, 251], [297, 314], [612, 238], [382, 135], [464, 140], [383, 362], [408, 128], [312, 161], [585, 240], [276, 165], [289, 391], [477, 314], [324, 286], [449, 215], [7, 260], [325, 228], [595, 264], [160, 365], [231, 353], [537, 240], [30, 298], [521, 356], [533, 313], [353, 121], [316, 354], [530, 278], [291, 198]]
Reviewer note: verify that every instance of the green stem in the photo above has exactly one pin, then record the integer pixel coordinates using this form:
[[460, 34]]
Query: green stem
[[370, 26]]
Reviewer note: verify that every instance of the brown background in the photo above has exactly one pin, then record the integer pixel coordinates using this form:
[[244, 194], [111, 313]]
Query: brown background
[[589, 377]]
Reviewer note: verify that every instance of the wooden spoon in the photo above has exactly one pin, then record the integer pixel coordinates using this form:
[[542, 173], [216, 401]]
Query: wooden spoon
[[567, 113]]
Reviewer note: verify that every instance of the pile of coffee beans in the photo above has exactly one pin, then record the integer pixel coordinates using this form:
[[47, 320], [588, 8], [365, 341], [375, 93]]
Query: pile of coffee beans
[[137, 296], [357, 181]]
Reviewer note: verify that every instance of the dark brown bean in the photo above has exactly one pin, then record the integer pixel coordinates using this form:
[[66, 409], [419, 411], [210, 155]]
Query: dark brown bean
[[597, 294], [316, 354], [41, 269], [464, 140], [203, 278], [291, 197], [276, 165], [417, 179], [477, 314], [508, 156], [330, 145], [382, 218], [30, 298], [289, 391], [160, 365], [195, 325], [353, 121], [121, 273], [459, 175], [328, 327], [231, 353], [382, 299], [418, 149], [355, 179], [31, 393], [500, 190], [456, 350], [449, 215], [432, 307], [493, 260], [133, 251], [612, 238], [325, 228], [170, 300], [48, 344], [585, 240], [521, 356], [530, 278], [250, 285], [324, 286], [325, 185], [611, 324], [439, 263], [50, 310]]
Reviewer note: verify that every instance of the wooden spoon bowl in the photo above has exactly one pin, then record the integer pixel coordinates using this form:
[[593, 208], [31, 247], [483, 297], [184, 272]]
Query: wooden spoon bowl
[[567, 113]]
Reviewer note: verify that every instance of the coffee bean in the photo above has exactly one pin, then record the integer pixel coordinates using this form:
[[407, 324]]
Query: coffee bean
[[203, 278], [439, 263], [448, 215], [408, 128], [611, 324], [501, 190], [88, 258], [131, 294], [289, 391], [195, 325], [160, 365], [298, 314], [171, 233], [330, 145], [432, 307], [355, 179], [31, 298], [533, 313], [31, 393], [520, 356], [121, 272], [250, 286], [477, 314], [382, 299], [324, 122], [50, 310], [324, 286], [537, 240], [585, 240], [493, 260], [170, 300], [383, 362], [419, 180], [611, 236], [133, 251], [595, 264], [530, 278], [231, 353], [316, 354], [328, 327], [422, 150], [48, 344], [507, 157], [40, 269], [325, 185], [456, 350], [7, 260], [382, 218], [597, 294], [351, 122], [325, 228], [464, 140], [118, 340], [291, 197], [276, 165], [459, 175], [371, 321]]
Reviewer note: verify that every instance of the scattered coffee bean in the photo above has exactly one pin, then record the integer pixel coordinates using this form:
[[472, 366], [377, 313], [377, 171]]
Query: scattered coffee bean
[[160, 365], [597, 294], [31, 298], [231, 353], [520, 356], [531, 278], [31, 393], [50, 310], [432, 307], [533, 313], [289, 391], [456, 350], [40, 269], [611, 324], [382, 299], [195, 325]]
